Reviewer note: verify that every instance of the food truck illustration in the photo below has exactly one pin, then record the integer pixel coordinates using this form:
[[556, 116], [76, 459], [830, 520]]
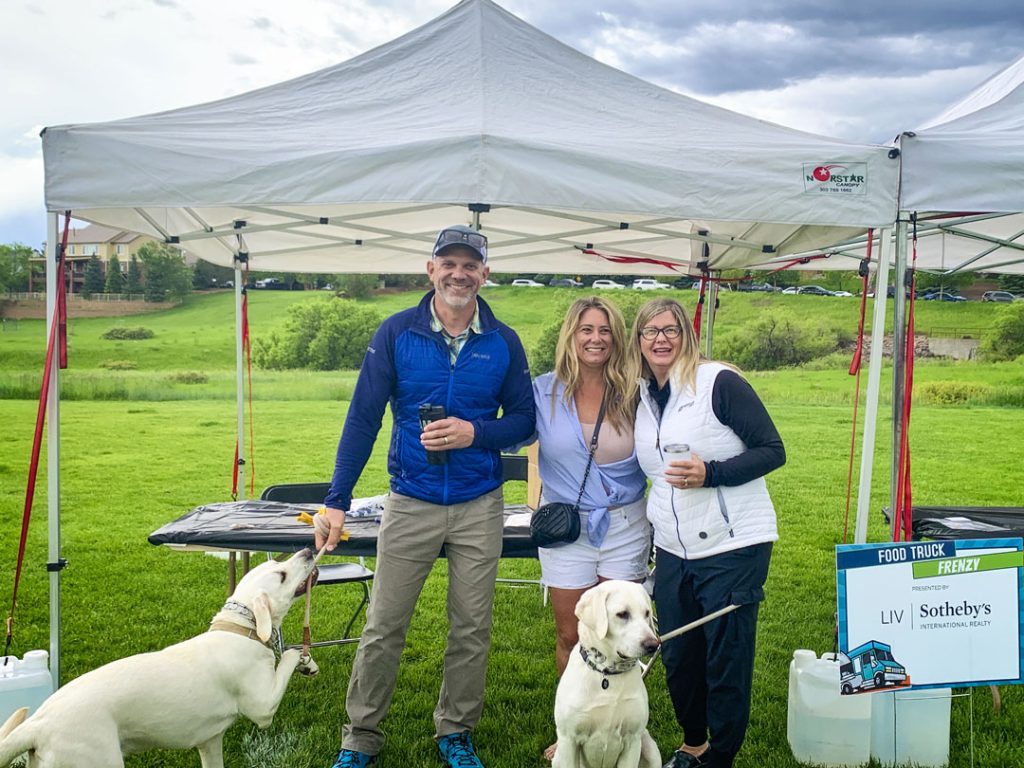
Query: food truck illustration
[[869, 666]]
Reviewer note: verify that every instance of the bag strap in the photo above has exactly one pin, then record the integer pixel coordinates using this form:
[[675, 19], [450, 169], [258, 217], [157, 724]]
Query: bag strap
[[593, 450]]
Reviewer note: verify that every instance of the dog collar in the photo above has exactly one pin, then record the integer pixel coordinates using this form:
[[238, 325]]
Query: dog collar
[[242, 610], [227, 626], [598, 662]]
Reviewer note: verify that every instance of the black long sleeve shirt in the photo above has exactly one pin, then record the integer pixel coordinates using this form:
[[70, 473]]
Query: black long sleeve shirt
[[738, 407]]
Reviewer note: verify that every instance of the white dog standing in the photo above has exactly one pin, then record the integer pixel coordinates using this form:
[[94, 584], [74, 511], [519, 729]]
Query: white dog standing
[[184, 696], [601, 702]]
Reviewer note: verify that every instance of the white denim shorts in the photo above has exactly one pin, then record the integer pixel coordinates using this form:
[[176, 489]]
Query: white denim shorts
[[624, 554]]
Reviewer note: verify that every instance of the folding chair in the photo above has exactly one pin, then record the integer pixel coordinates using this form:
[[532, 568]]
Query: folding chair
[[517, 467], [331, 573]]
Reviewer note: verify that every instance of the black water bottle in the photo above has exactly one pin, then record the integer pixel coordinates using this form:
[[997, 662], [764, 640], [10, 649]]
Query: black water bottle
[[429, 413]]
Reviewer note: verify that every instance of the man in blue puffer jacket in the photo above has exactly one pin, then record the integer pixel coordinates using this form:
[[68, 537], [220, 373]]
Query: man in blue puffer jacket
[[449, 350]]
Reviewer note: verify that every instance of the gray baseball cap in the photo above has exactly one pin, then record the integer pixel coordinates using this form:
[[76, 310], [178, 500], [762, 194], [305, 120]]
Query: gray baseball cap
[[461, 235]]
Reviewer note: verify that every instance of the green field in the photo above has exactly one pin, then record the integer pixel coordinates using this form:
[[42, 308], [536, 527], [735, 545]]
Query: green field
[[141, 447]]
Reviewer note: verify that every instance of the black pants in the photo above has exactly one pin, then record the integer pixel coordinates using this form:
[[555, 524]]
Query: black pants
[[709, 670]]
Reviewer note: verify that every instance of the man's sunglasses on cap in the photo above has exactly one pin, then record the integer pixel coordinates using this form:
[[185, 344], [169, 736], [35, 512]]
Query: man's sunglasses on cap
[[462, 236]]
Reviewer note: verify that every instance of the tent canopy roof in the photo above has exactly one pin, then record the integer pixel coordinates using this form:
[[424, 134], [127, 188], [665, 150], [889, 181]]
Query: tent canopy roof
[[354, 168]]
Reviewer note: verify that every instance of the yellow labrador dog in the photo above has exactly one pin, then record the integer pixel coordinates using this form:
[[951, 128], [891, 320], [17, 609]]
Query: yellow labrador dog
[[601, 701], [184, 696]]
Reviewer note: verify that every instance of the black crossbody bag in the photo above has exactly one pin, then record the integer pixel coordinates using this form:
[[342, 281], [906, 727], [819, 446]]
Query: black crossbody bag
[[558, 523]]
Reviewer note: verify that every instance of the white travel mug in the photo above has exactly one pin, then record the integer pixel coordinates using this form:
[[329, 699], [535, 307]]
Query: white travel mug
[[675, 452]]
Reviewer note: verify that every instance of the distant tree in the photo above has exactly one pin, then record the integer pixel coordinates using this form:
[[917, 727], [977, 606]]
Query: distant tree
[[14, 266], [1012, 283], [357, 286], [115, 277], [406, 281], [134, 282], [93, 277], [946, 283], [167, 275], [207, 275], [1004, 339]]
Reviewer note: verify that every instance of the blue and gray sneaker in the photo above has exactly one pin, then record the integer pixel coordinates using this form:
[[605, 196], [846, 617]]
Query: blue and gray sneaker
[[457, 750], [349, 758]]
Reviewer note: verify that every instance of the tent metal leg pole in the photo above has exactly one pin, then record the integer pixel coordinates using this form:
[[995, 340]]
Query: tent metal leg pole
[[709, 316], [899, 332], [240, 379], [867, 455], [53, 447]]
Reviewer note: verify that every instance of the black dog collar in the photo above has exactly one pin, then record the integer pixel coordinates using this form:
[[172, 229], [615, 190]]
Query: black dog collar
[[598, 662]]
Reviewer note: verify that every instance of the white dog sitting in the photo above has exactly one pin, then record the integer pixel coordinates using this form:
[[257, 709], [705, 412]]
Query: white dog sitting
[[184, 696], [601, 701]]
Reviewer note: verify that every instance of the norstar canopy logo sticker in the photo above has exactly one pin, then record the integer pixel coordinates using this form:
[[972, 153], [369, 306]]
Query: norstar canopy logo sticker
[[836, 178]]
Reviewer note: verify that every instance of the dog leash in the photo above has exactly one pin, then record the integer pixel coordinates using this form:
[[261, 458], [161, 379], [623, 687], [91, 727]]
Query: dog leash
[[307, 635], [683, 630]]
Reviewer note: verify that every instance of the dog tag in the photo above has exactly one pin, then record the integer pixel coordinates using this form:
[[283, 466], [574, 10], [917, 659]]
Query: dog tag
[[604, 684]]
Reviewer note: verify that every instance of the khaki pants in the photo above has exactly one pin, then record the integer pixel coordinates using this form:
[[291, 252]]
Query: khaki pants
[[411, 535]]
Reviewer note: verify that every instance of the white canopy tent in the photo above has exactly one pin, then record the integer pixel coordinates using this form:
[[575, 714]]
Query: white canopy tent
[[961, 175], [478, 117], [362, 162]]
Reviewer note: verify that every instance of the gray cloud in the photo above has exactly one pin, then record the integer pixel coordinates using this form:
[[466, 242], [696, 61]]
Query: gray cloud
[[711, 48]]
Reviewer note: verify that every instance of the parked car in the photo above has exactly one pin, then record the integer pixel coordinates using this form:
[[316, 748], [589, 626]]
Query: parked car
[[490, 284], [604, 285], [791, 290], [685, 282], [270, 283], [942, 296], [841, 293], [1004, 296], [648, 284], [813, 290], [755, 287], [565, 282], [525, 282]]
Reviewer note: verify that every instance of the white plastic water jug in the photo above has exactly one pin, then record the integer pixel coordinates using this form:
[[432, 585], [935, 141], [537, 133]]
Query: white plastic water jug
[[823, 726], [24, 683], [911, 727]]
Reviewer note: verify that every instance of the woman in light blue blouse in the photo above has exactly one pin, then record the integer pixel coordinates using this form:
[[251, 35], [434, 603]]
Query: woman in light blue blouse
[[592, 365]]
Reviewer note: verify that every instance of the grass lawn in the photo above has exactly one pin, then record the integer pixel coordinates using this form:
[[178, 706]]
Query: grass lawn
[[134, 459]]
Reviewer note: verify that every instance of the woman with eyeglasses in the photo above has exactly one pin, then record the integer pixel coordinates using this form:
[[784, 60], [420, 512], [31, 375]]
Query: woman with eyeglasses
[[594, 372], [705, 440]]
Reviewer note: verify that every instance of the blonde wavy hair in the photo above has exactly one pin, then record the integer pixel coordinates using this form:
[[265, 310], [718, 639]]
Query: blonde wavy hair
[[621, 390], [684, 369]]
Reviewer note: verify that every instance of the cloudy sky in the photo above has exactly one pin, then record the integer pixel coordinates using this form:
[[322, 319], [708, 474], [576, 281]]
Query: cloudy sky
[[855, 69]]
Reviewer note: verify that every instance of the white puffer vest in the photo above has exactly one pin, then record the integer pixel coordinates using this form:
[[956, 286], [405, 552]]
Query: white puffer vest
[[698, 522]]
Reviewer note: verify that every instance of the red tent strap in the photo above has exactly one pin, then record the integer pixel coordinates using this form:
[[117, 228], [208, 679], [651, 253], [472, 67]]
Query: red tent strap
[[58, 327], [699, 309]]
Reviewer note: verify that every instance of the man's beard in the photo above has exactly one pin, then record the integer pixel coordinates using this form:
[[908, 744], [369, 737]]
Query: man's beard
[[454, 300]]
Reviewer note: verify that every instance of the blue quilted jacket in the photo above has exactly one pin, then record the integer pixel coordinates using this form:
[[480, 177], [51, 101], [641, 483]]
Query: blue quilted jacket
[[406, 365]]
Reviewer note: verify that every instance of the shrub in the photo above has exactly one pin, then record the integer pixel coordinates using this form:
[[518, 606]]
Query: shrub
[[357, 286], [1005, 339], [324, 334], [128, 334], [119, 365], [777, 340], [950, 392], [189, 377]]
